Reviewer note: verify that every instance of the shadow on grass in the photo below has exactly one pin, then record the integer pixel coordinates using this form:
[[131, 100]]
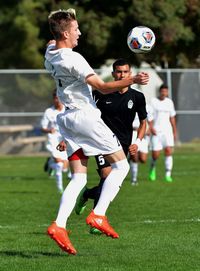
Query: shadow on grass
[[15, 178], [31, 254]]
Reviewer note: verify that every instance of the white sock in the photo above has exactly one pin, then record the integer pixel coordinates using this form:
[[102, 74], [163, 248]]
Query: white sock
[[134, 171], [59, 178], [51, 162], [69, 196], [168, 165], [111, 186]]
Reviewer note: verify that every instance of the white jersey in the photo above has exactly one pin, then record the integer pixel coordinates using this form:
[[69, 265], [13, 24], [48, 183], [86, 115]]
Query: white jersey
[[136, 122], [81, 124], [49, 121], [69, 69], [163, 110]]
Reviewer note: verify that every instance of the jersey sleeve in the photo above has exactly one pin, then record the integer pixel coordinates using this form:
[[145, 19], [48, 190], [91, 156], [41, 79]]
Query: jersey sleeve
[[45, 120], [81, 69], [149, 112], [141, 105]]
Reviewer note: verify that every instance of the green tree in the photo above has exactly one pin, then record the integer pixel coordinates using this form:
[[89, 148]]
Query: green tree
[[104, 26]]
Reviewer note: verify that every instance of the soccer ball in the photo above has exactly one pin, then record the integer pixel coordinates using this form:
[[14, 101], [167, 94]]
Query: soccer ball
[[141, 39]]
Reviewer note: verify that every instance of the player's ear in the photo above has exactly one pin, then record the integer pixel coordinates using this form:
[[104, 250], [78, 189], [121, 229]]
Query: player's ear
[[113, 74], [65, 34]]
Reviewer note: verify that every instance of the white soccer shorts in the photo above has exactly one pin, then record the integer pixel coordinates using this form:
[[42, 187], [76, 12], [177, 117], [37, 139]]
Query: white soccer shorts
[[85, 129], [51, 147], [144, 144], [161, 141]]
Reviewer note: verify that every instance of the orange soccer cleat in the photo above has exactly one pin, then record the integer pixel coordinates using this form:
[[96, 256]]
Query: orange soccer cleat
[[60, 235], [101, 223]]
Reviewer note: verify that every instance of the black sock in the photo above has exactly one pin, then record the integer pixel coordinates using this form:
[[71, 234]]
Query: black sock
[[94, 193]]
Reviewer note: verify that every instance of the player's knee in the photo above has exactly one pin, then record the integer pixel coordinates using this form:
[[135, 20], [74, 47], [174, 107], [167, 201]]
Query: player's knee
[[143, 160], [79, 178], [122, 165]]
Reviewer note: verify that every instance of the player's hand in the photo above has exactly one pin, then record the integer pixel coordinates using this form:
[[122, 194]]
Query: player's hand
[[153, 131], [141, 78], [133, 148], [62, 146], [51, 42]]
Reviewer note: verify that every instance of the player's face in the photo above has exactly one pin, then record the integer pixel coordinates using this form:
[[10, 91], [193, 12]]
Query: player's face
[[163, 93], [73, 34], [56, 102], [121, 72]]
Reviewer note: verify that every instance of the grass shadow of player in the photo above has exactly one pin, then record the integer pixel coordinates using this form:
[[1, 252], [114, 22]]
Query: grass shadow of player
[[29, 254]]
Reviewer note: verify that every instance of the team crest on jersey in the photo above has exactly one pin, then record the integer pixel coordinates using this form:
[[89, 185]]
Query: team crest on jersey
[[130, 104]]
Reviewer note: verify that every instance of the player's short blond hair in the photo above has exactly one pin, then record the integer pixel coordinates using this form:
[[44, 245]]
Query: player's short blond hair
[[59, 21]]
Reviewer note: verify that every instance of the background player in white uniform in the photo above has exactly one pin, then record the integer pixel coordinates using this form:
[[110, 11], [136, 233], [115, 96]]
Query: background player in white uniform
[[81, 125], [143, 149], [163, 129], [58, 161]]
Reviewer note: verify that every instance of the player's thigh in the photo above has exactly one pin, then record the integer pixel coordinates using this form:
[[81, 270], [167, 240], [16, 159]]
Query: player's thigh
[[156, 143], [168, 140], [103, 165], [143, 157], [78, 166], [115, 157]]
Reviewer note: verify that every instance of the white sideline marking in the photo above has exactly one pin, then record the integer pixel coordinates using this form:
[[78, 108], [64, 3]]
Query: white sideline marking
[[148, 221]]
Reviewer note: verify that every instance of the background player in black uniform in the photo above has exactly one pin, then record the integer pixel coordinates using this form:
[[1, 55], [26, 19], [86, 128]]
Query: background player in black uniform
[[118, 112]]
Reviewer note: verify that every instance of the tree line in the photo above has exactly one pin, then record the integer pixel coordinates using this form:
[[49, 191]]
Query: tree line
[[104, 25]]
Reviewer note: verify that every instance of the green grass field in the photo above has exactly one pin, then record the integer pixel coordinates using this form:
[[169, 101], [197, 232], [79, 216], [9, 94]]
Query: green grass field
[[158, 223]]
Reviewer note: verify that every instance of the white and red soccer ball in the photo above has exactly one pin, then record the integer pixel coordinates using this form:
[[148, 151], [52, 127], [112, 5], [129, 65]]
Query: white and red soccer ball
[[141, 39]]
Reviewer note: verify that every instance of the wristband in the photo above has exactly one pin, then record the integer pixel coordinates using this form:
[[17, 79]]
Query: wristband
[[137, 142]]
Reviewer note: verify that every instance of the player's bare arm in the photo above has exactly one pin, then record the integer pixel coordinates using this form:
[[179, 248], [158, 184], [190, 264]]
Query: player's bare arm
[[142, 129], [151, 128], [48, 131], [133, 148], [173, 123], [109, 87]]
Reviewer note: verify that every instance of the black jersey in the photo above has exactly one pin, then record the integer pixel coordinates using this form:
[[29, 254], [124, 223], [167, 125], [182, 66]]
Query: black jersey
[[118, 111]]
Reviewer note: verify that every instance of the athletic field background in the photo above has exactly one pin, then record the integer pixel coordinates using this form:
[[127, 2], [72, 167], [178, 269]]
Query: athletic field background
[[158, 222]]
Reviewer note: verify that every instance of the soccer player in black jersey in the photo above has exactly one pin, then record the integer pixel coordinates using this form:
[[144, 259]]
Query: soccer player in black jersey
[[118, 112]]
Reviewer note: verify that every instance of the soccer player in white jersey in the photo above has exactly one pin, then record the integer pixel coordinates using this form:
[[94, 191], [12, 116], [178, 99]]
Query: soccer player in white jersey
[[58, 161], [163, 129], [81, 125], [143, 149]]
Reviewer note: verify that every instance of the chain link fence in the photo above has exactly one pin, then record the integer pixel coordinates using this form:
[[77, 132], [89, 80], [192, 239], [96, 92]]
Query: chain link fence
[[25, 94]]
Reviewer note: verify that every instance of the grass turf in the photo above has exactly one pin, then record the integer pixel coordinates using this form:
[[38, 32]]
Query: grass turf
[[158, 222]]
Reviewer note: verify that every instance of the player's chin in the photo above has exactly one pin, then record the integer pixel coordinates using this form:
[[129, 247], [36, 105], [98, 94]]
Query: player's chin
[[75, 44]]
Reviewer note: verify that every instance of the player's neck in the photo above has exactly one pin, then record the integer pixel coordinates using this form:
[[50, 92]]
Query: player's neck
[[63, 44], [60, 107], [122, 91]]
